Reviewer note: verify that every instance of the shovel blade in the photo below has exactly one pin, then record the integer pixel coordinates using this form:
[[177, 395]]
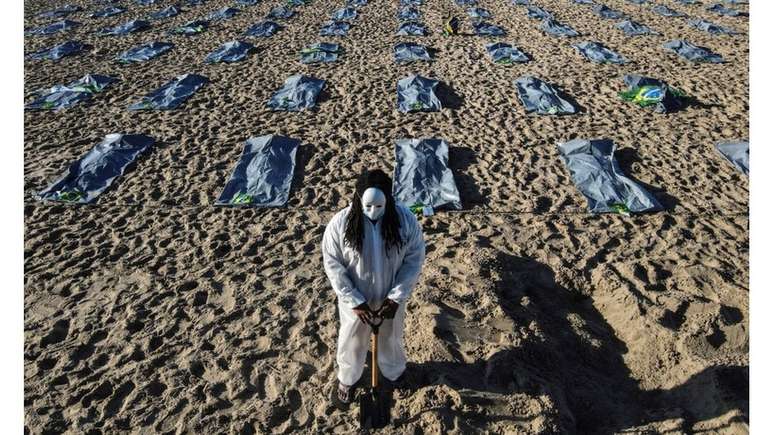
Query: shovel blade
[[374, 409]]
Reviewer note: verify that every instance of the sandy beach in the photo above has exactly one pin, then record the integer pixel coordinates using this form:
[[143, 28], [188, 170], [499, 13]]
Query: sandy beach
[[153, 311]]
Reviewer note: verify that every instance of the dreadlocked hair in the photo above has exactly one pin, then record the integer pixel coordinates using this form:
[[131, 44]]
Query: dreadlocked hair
[[353, 236]]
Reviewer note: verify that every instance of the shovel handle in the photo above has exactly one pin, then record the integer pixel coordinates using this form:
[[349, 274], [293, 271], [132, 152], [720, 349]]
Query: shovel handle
[[374, 359]]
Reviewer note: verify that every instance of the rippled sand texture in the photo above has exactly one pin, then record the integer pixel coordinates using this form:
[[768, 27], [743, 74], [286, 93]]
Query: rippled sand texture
[[155, 312]]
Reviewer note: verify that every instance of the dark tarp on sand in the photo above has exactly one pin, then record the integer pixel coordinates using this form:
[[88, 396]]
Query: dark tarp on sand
[[194, 27], [344, 14], [417, 94], [107, 12], [666, 12], [59, 26], [172, 94], [320, 52], [691, 52], [422, 174], [89, 176], [280, 13], [505, 54], [598, 53], [722, 10], [478, 13], [406, 52], [738, 153], [633, 28], [649, 92], [486, 29], [710, 27], [231, 51], [605, 12], [537, 13], [297, 93], [59, 51], [409, 13], [334, 28], [124, 29], [263, 29], [223, 14], [60, 12], [596, 174], [63, 96], [264, 173], [144, 52], [169, 12], [539, 96], [411, 28], [553, 27]]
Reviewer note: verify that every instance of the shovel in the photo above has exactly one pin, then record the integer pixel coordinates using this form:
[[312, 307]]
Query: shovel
[[375, 403]]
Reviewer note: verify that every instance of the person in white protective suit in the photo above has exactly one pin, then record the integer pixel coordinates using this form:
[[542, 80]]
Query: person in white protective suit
[[373, 252]]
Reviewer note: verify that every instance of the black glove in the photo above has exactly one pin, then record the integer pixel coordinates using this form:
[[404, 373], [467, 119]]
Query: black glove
[[363, 312], [388, 309]]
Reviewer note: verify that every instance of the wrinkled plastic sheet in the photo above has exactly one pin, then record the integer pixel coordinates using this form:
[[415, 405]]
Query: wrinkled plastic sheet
[[406, 52], [146, 2], [520, 2], [246, 2], [633, 28], [710, 27], [422, 174], [89, 176], [417, 94], [320, 52], [537, 13], [194, 27], [722, 10], [231, 51], [655, 89], [692, 52], [280, 13], [584, 2], [62, 96], [596, 174], [638, 2], [172, 94], [483, 28], [144, 52], [479, 13], [555, 28], [357, 3], [607, 13], [223, 14], [124, 29], [264, 29], [466, 2], [738, 153], [409, 13], [416, 3], [344, 14], [169, 12], [107, 12], [57, 52], [505, 54], [666, 12], [298, 93], [263, 175], [296, 3], [59, 26], [598, 53], [335, 28], [539, 96], [411, 28], [60, 12]]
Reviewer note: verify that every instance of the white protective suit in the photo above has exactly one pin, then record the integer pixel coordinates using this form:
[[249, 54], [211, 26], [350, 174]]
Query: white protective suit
[[372, 277]]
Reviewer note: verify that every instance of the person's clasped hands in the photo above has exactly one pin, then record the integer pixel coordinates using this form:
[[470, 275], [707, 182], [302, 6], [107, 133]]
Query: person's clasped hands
[[386, 311]]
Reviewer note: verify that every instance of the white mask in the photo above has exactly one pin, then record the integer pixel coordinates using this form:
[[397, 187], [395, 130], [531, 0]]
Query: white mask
[[374, 202]]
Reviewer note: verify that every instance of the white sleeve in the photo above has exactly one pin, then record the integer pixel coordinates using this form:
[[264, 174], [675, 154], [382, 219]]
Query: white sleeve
[[408, 273], [333, 260]]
